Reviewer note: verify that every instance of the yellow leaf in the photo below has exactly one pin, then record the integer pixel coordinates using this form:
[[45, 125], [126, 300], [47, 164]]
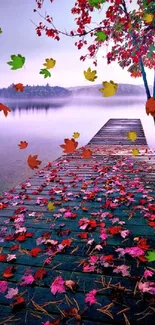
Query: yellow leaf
[[132, 135], [148, 18], [76, 135], [51, 206], [135, 152], [90, 75], [50, 63], [109, 88]]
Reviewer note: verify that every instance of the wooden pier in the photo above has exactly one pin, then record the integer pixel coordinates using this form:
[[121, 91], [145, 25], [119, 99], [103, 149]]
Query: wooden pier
[[90, 260]]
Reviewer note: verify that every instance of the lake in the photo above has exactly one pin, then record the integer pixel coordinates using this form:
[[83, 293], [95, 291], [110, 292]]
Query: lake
[[44, 125]]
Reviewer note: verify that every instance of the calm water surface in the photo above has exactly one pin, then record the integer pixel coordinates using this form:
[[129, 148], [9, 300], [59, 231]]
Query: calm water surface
[[44, 125]]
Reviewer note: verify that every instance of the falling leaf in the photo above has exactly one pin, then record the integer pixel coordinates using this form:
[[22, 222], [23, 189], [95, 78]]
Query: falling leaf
[[33, 162], [132, 136], [150, 256], [90, 75], [87, 153], [76, 135], [109, 88], [5, 109], [19, 86], [50, 63], [69, 146], [58, 285], [101, 36], [150, 106], [17, 61], [0, 30], [67, 242], [135, 152], [51, 206], [45, 72], [23, 144], [148, 18]]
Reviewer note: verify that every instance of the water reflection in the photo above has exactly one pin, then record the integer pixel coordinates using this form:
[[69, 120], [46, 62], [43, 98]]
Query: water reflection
[[28, 121]]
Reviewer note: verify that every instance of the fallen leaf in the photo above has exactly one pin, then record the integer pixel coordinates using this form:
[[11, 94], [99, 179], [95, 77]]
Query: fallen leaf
[[5, 109], [33, 162], [19, 301], [51, 206], [23, 144], [8, 272], [58, 285], [135, 152], [3, 286], [35, 251], [40, 274], [70, 284], [87, 153], [132, 136], [150, 256], [11, 293]]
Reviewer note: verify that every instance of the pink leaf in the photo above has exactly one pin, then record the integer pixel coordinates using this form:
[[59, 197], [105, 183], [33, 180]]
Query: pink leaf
[[58, 285], [90, 297], [27, 279], [11, 293], [3, 286]]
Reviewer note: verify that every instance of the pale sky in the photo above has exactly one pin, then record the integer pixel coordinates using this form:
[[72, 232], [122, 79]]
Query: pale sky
[[19, 37]]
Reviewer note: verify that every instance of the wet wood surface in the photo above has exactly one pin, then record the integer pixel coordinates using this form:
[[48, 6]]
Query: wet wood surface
[[111, 182]]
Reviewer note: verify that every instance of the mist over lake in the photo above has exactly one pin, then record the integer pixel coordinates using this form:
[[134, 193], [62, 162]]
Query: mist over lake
[[45, 125]]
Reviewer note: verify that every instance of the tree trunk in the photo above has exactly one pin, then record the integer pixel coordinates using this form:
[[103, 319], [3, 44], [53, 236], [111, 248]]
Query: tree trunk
[[140, 61]]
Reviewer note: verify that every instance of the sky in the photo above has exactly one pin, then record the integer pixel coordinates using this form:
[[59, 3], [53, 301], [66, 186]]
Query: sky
[[19, 37]]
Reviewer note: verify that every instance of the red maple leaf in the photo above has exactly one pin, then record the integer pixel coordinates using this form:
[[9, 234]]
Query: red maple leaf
[[35, 251], [40, 274], [115, 230]]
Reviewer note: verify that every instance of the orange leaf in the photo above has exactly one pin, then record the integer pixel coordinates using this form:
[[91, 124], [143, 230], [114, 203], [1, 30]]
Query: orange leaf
[[19, 87], [87, 153], [69, 146], [67, 242], [150, 106], [33, 162], [19, 300], [23, 144], [35, 251], [8, 272], [5, 109]]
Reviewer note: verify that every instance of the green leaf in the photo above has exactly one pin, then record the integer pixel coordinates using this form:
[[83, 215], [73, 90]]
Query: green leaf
[[101, 36], [150, 256], [95, 3], [17, 61], [0, 30], [45, 72]]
